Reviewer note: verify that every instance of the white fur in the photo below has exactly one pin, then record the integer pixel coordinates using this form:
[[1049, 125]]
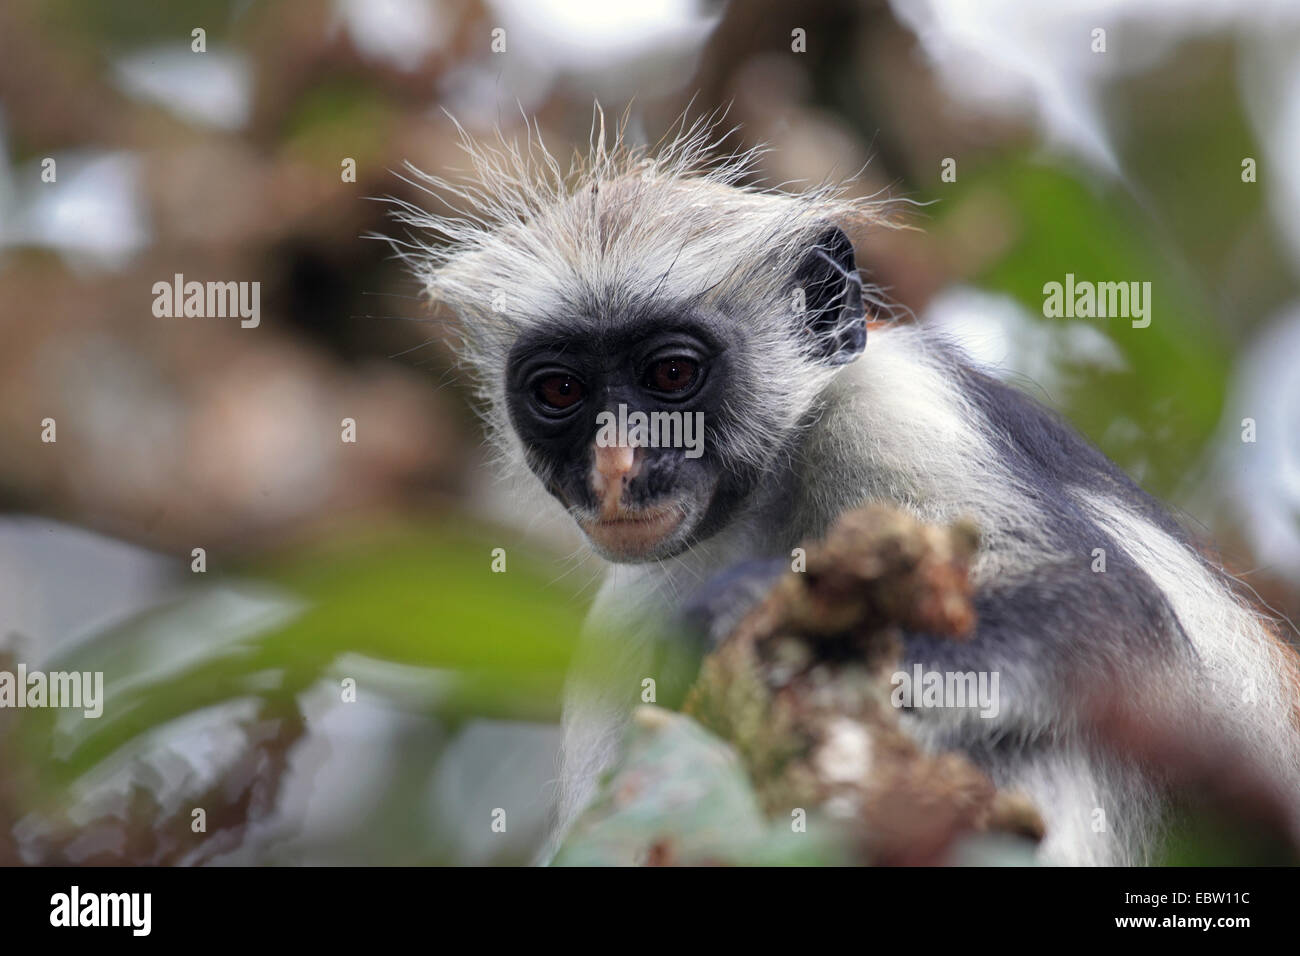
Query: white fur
[[1245, 672]]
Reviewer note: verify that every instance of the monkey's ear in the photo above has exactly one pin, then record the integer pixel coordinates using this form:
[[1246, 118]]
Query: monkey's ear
[[829, 293]]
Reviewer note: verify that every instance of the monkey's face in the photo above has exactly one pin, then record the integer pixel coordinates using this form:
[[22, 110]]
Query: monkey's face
[[653, 424], [619, 423]]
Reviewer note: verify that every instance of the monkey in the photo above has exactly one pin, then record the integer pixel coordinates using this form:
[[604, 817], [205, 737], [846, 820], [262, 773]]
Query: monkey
[[667, 280]]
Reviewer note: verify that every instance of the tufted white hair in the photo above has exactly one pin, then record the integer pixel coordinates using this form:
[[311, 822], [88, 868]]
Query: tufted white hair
[[525, 242]]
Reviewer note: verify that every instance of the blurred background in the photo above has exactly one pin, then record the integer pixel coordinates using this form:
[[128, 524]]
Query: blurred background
[[338, 677]]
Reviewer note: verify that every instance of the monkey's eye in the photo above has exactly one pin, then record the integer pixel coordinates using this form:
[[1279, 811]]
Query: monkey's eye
[[671, 374], [559, 391]]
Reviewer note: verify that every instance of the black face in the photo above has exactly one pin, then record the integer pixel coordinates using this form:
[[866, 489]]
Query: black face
[[565, 381], [558, 386]]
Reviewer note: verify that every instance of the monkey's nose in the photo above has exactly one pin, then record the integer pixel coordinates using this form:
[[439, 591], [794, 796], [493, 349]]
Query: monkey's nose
[[614, 467]]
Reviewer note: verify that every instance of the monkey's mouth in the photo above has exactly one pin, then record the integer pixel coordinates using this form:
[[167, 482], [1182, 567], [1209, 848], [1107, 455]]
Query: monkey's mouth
[[628, 535]]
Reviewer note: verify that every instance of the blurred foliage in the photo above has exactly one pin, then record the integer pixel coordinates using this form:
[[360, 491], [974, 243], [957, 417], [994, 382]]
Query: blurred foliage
[[340, 118], [689, 789], [1199, 837], [413, 597], [1173, 384], [129, 23]]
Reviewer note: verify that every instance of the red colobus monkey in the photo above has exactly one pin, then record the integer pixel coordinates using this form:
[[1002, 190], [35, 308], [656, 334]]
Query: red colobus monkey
[[661, 284]]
